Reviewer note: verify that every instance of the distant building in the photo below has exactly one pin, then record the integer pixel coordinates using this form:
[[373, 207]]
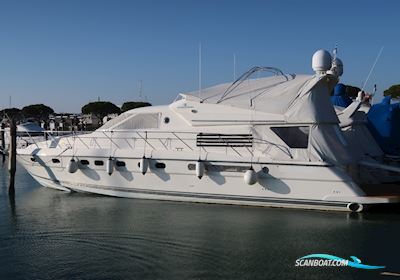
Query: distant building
[[89, 121], [109, 117], [62, 122]]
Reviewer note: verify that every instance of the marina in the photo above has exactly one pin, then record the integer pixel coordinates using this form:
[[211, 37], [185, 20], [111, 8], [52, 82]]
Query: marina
[[199, 140]]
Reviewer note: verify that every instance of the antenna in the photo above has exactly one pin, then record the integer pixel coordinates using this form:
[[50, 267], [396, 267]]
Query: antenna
[[375, 89], [372, 68], [200, 70], [334, 52], [140, 90], [9, 104], [234, 66]]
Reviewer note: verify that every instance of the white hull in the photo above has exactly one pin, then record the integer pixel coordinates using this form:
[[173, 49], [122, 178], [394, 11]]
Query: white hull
[[198, 198], [292, 185]]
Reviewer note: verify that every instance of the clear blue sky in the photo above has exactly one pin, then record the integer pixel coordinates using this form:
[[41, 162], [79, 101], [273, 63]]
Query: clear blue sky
[[67, 53]]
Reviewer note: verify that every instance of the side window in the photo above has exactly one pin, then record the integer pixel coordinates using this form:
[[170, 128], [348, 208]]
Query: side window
[[140, 121], [295, 137]]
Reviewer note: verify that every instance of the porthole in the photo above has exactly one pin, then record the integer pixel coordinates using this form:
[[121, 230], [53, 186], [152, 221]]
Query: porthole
[[33, 159], [55, 160], [98, 162], [120, 163], [166, 120], [84, 162], [160, 165], [194, 111]]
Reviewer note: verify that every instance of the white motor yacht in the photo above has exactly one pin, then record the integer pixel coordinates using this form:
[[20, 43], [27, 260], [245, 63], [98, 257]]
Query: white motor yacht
[[271, 141]]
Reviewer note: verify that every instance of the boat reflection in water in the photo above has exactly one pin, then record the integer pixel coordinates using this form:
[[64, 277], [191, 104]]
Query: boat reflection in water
[[59, 235]]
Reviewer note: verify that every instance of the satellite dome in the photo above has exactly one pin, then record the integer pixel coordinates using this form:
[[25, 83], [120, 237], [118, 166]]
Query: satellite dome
[[338, 65], [321, 61]]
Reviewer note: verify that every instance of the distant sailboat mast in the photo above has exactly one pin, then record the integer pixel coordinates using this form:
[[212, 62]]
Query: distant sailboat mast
[[140, 90], [234, 67], [200, 71]]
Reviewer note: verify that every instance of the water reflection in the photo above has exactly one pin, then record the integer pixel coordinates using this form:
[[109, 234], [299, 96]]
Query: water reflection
[[11, 200], [53, 235]]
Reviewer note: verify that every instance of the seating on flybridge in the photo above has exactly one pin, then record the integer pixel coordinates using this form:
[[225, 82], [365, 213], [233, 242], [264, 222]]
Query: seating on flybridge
[[266, 141]]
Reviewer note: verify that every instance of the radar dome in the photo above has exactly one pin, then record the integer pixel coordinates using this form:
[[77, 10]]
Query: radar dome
[[321, 61], [338, 65]]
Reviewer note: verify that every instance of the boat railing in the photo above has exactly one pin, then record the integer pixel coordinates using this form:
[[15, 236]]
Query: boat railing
[[148, 139], [27, 137]]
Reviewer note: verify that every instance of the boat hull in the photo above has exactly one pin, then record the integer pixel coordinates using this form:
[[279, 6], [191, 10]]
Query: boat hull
[[289, 186]]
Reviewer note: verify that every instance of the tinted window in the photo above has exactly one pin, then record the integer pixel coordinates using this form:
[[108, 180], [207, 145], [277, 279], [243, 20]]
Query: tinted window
[[294, 136]]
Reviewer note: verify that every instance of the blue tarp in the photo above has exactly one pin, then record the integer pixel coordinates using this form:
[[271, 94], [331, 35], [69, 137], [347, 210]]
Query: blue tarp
[[384, 124], [340, 97]]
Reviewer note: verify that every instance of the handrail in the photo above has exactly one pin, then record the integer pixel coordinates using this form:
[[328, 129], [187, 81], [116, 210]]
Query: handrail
[[82, 138]]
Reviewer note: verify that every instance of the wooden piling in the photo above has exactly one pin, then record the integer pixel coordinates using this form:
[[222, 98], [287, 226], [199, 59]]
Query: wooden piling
[[12, 157], [3, 141]]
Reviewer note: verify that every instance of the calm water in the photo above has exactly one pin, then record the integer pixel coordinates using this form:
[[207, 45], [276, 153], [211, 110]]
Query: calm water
[[48, 234]]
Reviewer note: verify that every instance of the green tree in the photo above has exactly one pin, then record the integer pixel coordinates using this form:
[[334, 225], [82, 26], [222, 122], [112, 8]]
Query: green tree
[[394, 91], [11, 113], [133, 104], [100, 109], [37, 111]]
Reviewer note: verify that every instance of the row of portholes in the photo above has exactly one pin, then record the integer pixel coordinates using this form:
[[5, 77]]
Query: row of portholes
[[118, 163], [85, 162]]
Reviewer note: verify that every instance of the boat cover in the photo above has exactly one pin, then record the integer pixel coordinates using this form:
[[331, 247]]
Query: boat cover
[[299, 98], [340, 97], [384, 124]]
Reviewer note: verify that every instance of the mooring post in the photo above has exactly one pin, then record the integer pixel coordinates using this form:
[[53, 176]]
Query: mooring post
[[12, 156], [3, 141]]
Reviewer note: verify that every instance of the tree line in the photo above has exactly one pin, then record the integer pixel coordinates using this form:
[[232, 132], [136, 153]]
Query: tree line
[[394, 91], [103, 108], [100, 109]]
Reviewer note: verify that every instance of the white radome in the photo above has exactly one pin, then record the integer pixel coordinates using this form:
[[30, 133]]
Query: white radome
[[321, 61]]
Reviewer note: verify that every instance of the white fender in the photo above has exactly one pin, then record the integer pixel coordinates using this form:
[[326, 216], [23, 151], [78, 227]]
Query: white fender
[[200, 169], [250, 176], [144, 164], [72, 166], [110, 166]]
